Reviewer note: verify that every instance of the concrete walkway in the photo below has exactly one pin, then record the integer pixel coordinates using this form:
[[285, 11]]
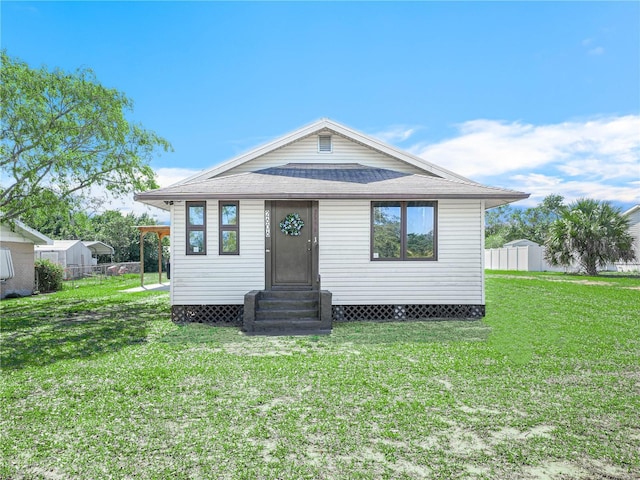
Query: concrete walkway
[[152, 286]]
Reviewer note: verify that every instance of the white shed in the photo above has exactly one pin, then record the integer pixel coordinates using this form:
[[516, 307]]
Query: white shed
[[72, 255], [324, 224], [523, 242], [523, 255]]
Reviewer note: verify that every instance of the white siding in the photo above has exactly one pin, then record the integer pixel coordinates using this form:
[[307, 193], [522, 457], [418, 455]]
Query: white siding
[[78, 254], [345, 265], [214, 279], [347, 271], [306, 151], [634, 231]]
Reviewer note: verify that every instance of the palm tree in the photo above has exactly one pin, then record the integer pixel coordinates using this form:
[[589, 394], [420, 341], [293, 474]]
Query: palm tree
[[590, 233]]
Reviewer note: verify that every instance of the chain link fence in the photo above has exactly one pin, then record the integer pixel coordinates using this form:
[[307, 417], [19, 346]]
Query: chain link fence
[[100, 272]]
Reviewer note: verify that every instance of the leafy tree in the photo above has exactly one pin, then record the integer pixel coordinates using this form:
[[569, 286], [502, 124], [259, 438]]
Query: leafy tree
[[533, 223], [62, 133], [505, 223], [496, 228], [590, 233], [119, 231], [72, 224]]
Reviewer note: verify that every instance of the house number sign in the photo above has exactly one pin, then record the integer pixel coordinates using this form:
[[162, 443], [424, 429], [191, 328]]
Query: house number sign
[[267, 223]]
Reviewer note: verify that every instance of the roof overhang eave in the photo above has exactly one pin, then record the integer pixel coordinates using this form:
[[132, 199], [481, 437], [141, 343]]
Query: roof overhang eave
[[165, 200], [153, 201], [499, 201]]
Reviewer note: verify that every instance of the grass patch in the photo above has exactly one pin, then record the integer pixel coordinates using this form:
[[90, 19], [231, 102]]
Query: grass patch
[[97, 383]]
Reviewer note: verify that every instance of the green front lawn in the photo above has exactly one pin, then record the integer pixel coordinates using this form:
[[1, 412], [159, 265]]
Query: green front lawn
[[97, 383]]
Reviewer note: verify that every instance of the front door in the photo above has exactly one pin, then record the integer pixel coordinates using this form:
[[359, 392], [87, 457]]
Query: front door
[[292, 245]]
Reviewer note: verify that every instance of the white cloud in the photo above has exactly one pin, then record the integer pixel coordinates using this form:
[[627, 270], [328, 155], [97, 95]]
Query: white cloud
[[489, 147], [395, 134], [600, 157], [542, 185], [169, 176], [591, 49], [594, 168]]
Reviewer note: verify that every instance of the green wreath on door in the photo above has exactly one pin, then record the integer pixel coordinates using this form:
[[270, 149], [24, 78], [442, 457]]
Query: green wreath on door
[[292, 224]]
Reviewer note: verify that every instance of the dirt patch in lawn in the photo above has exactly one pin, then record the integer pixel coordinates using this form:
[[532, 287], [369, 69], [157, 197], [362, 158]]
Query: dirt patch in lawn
[[468, 449], [552, 470], [283, 346]]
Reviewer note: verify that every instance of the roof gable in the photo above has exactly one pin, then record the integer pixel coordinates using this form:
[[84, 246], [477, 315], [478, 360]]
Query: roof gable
[[633, 210], [27, 233], [343, 150], [324, 127]]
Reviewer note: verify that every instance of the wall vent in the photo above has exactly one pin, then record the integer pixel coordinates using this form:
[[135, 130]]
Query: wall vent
[[324, 144]]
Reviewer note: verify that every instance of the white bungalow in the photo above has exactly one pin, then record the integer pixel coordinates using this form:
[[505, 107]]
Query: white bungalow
[[326, 224]]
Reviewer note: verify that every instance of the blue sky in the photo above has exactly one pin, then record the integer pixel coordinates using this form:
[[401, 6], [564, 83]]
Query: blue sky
[[541, 97]]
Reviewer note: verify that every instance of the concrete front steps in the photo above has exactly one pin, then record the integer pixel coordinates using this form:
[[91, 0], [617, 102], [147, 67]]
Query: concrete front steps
[[287, 312]]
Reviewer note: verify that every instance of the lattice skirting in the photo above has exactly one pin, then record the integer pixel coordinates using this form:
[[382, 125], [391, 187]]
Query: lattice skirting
[[223, 315], [353, 313], [231, 315]]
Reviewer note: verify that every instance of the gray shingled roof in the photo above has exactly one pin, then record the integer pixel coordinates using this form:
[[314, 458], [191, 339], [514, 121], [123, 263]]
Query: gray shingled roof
[[335, 172], [329, 181]]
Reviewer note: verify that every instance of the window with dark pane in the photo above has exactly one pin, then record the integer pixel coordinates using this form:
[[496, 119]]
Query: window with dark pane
[[387, 230], [229, 228], [403, 231], [196, 228], [420, 230]]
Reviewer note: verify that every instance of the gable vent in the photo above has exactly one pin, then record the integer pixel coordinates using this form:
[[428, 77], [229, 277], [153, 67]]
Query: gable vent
[[324, 144]]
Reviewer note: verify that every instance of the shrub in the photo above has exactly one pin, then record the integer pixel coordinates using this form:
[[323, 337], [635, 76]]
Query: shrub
[[48, 276]]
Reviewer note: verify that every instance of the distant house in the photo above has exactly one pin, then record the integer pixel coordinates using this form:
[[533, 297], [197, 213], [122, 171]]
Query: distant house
[[326, 224], [633, 215], [17, 272]]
